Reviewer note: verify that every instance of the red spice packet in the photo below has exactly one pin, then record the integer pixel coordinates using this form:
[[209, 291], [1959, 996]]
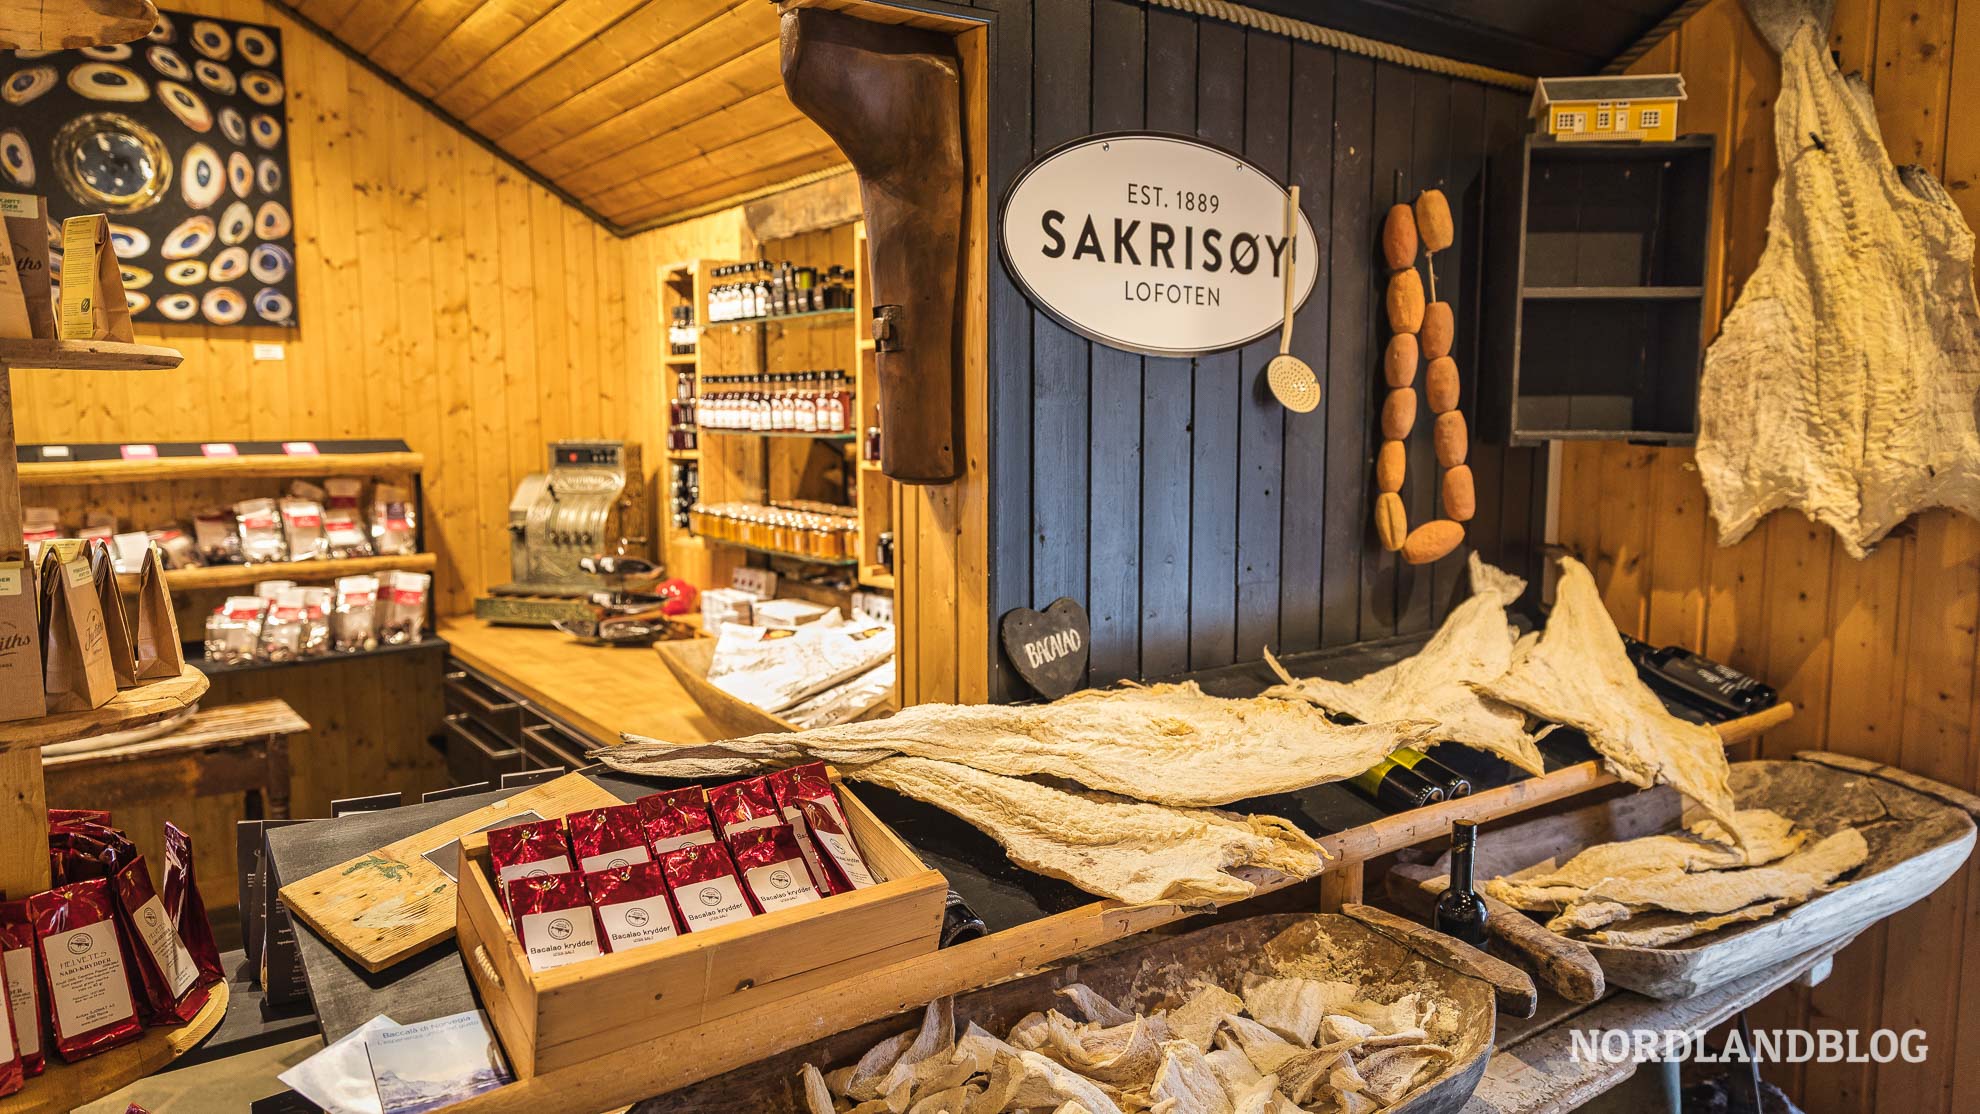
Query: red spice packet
[[62, 817], [675, 819], [632, 905], [13, 1074], [603, 838], [705, 888], [24, 1000], [82, 958], [167, 976], [187, 909], [773, 871], [742, 805], [826, 818], [534, 849], [784, 788], [553, 919]]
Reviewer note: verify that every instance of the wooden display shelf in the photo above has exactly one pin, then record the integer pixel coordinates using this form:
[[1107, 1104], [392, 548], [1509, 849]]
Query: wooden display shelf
[[813, 316], [86, 355], [876, 576], [242, 576], [688, 360], [199, 467], [836, 562], [846, 436], [130, 708], [215, 669], [67, 25], [683, 454], [65, 1087]]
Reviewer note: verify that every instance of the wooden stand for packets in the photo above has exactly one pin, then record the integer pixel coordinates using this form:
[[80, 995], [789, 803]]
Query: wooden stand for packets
[[23, 801]]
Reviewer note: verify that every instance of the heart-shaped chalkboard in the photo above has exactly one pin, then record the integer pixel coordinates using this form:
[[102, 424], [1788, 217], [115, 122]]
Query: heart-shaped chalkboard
[[1048, 648]]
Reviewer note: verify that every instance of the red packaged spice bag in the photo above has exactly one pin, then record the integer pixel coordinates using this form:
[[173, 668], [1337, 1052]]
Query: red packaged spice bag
[[24, 1000], [705, 888], [553, 919], [167, 977], [603, 838], [675, 819], [632, 905], [826, 818], [784, 786], [742, 805], [62, 817], [82, 957], [773, 871], [186, 908], [13, 1075], [530, 850]]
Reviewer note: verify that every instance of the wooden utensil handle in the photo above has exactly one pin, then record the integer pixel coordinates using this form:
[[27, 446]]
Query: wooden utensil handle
[[1566, 966], [1512, 986], [1292, 268]]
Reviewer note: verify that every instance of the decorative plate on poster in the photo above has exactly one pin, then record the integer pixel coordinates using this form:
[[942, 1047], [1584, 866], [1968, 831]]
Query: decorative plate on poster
[[1048, 648], [181, 138]]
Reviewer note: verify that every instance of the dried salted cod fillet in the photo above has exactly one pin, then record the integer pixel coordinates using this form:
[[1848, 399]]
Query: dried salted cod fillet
[[1843, 382], [1264, 1048], [1576, 672], [1795, 878], [1127, 850], [1260, 1097], [1582, 916], [1120, 1055], [1391, 1072], [928, 1055], [1291, 1008], [1196, 1020], [817, 1096], [1187, 1084], [1475, 644], [872, 1068], [1768, 837], [1095, 1007], [1167, 744], [1233, 1069], [1642, 933], [947, 1101]]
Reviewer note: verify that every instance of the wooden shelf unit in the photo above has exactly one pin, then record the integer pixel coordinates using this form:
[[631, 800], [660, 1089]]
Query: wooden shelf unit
[[86, 355], [207, 577]]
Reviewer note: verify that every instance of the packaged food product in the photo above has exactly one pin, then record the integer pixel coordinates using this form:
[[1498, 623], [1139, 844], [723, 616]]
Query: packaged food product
[[127, 551], [282, 627], [553, 919], [186, 908], [167, 975], [531, 850], [393, 529], [632, 905], [24, 1003], [602, 838], [784, 790], [675, 819], [742, 805], [216, 537], [826, 819], [702, 880], [404, 607], [354, 618], [343, 522], [40, 524], [176, 546], [233, 631], [77, 674], [302, 529], [13, 1075], [160, 654], [90, 1007], [261, 531], [116, 621], [774, 874], [317, 602]]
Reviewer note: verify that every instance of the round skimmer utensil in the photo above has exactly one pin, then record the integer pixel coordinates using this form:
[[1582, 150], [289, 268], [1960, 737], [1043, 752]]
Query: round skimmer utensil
[[1292, 382]]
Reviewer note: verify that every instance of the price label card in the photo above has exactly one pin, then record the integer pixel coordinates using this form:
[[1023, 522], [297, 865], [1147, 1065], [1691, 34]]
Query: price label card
[[54, 452], [299, 448], [138, 452], [219, 448]]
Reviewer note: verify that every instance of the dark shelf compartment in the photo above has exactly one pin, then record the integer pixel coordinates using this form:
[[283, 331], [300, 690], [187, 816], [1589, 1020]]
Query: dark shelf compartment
[[195, 657]]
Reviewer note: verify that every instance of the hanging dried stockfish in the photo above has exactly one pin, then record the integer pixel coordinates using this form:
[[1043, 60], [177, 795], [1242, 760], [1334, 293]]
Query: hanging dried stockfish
[[1170, 744], [1576, 673], [1844, 381], [1475, 644]]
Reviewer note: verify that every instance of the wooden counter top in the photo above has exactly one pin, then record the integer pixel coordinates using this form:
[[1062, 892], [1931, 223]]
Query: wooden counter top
[[599, 690]]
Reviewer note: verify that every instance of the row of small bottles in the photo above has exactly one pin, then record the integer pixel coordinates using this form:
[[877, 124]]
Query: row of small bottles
[[744, 291], [681, 333], [686, 492], [682, 431], [793, 402], [800, 533]]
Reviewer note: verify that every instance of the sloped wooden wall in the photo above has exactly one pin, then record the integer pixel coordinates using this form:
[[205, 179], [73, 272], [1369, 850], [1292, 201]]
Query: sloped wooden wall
[[1878, 654]]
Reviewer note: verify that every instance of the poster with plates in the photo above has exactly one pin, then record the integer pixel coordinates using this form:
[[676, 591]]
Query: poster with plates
[[182, 138]]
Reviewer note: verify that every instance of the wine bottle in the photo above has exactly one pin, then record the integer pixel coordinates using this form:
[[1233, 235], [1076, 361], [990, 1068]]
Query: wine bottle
[[1460, 912], [1454, 784], [1395, 787], [1717, 690]]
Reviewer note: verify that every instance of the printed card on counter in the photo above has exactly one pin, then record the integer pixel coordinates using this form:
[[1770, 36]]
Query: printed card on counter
[[433, 1064]]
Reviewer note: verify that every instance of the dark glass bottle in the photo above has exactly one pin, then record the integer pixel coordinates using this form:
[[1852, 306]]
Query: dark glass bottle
[[1717, 690], [1395, 787], [1454, 784], [1460, 911]]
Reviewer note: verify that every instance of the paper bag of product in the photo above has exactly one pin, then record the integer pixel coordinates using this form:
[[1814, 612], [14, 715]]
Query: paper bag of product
[[20, 641], [93, 305], [13, 305], [160, 655], [75, 649], [116, 624], [25, 217]]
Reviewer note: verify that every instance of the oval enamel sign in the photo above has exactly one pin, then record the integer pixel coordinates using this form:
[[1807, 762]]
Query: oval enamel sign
[[1155, 243]]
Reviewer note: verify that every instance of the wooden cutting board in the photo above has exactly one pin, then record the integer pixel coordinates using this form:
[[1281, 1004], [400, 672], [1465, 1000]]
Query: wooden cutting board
[[393, 902]]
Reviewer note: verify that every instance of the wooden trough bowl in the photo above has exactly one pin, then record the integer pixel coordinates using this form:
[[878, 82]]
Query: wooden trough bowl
[[688, 660], [1919, 832], [1152, 975]]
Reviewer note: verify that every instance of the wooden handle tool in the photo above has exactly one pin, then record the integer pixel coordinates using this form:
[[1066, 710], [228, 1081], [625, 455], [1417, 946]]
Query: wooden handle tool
[[1511, 986], [1566, 966]]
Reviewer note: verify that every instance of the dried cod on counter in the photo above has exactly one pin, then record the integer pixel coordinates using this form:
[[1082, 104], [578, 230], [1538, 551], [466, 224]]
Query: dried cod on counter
[[775, 669], [1287, 1044], [1474, 645], [1843, 382]]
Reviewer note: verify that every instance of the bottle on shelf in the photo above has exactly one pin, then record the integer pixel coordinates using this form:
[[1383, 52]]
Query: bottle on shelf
[[1719, 691], [1460, 911], [873, 437], [1395, 787], [1453, 783]]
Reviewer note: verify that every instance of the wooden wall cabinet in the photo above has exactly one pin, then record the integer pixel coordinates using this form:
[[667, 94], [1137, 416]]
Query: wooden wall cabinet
[[1595, 290]]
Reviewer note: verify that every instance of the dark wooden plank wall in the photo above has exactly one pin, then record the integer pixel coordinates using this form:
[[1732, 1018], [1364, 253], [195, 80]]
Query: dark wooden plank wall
[[1196, 519]]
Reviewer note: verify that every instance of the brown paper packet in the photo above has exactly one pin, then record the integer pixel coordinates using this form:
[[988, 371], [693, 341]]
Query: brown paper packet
[[26, 218], [160, 656], [93, 305], [77, 674], [20, 641], [14, 324], [116, 623]]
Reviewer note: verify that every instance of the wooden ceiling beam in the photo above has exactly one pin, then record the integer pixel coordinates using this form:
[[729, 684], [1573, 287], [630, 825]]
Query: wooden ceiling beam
[[768, 123], [731, 84]]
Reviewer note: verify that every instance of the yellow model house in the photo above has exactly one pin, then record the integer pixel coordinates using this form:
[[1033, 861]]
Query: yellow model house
[[1620, 107]]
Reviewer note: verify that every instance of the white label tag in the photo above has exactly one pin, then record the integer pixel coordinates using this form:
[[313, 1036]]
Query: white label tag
[[10, 578], [629, 924], [555, 864], [609, 860], [750, 825], [86, 978], [55, 451], [781, 885], [21, 995], [675, 843], [19, 205], [842, 848], [268, 352], [161, 939], [560, 936], [707, 904], [7, 1035]]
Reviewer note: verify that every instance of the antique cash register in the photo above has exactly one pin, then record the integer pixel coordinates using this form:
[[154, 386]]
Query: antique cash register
[[591, 501]]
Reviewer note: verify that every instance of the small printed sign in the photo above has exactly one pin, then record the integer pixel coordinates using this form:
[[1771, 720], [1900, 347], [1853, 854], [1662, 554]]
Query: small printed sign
[[1048, 648], [299, 448], [54, 452], [219, 448], [263, 351], [138, 452]]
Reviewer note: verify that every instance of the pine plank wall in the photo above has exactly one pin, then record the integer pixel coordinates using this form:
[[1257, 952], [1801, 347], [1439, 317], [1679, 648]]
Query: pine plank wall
[[1878, 654]]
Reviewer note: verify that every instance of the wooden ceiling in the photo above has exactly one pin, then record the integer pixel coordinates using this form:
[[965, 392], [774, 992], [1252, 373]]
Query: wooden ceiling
[[642, 110]]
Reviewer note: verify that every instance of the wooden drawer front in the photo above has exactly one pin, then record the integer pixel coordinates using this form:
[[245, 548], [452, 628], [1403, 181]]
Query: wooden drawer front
[[475, 754], [546, 744], [469, 694]]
